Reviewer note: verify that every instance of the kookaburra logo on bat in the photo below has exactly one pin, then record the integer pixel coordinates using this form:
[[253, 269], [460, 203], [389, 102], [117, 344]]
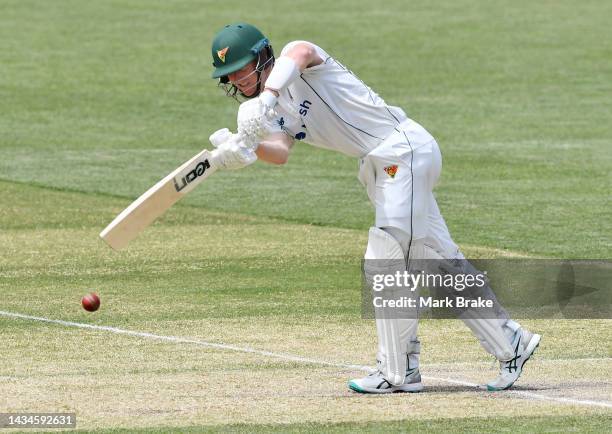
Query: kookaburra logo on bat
[[192, 175]]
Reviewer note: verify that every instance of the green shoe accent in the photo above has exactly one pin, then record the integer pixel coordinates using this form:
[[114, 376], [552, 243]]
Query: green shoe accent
[[353, 386], [498, 389]]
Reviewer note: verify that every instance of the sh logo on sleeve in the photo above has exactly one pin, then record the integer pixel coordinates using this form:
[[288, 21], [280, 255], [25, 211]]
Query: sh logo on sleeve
[[304, 107]]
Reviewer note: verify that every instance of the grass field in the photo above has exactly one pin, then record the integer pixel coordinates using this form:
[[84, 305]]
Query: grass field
[[249, 289]]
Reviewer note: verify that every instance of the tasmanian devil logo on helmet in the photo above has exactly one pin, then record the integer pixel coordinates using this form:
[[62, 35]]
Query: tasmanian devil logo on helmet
[[221, 54]]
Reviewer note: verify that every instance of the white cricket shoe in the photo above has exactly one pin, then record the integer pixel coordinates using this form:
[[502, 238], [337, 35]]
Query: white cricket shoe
[[524, 343], [376, 383]]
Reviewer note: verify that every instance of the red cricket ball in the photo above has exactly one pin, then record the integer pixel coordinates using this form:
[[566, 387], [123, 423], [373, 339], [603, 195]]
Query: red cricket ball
[[91, 302]]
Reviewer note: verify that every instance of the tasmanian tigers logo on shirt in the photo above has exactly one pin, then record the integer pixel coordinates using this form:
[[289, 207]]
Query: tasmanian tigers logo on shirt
[[391, 170]]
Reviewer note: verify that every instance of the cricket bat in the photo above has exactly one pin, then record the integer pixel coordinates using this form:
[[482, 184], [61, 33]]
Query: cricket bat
[[156, 200]]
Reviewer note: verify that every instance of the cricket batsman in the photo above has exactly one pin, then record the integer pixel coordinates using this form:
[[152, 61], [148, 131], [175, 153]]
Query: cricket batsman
[[306, 94]]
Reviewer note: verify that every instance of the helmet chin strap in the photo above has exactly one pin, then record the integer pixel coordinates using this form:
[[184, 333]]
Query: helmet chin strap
[[260, 68], [258, 91], [232, 91], [257, 86]]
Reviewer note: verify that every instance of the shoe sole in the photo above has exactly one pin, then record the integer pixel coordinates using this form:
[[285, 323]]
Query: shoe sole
[[404, 388], [534, 343]]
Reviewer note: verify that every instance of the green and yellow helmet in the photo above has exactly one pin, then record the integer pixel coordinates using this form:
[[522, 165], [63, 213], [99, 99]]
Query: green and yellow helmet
[[236, 45]]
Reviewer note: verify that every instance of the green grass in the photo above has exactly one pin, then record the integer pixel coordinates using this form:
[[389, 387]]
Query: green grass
[[101, 99], [536, 425], [110, 96]]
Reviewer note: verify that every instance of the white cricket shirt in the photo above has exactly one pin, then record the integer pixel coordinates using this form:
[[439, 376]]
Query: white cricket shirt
[[330, 107]]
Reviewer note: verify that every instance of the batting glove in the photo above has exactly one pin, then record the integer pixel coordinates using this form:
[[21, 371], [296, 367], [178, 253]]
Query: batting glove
[[231, 152], [255, 118]]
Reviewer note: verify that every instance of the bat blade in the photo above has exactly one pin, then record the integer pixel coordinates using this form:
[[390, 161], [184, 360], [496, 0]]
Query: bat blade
[[156, 200]]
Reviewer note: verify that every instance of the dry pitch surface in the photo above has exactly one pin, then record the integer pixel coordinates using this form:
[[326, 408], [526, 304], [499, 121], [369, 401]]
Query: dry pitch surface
[[252, 284]]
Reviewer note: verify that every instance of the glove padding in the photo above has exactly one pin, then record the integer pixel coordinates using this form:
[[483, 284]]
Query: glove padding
[[220, 136], [255, 118], [231, 152]]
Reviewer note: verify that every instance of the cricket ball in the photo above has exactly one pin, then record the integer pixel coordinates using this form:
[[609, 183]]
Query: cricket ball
[[91, 302]]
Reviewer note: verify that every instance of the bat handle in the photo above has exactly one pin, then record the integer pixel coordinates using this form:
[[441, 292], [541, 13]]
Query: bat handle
[[214, 157]]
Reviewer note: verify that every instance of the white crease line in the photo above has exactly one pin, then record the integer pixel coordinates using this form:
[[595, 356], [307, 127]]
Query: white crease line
[[293, 358], [183, 340]]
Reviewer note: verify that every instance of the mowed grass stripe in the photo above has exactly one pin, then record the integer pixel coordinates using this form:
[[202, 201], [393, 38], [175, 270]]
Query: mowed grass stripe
[[529, 197], [40, 207]]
